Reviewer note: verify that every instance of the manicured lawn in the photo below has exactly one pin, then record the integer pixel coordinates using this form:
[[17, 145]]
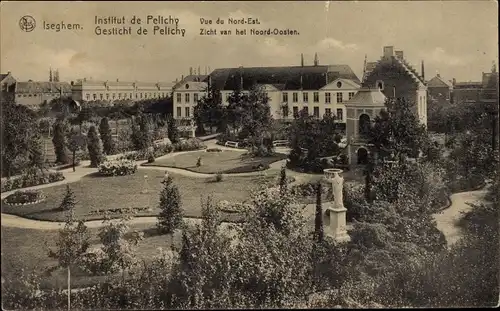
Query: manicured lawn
[[26, 249], [114, 193], [226, 161]]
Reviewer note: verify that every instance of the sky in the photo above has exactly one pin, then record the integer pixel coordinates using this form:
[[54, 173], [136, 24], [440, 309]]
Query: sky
[[458, 39]]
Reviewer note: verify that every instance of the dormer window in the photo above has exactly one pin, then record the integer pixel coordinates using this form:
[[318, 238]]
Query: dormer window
[[339, 84], [187, 86]]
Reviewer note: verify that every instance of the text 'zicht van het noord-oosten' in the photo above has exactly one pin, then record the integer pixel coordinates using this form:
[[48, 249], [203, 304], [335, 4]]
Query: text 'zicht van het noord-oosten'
[[138, 25]]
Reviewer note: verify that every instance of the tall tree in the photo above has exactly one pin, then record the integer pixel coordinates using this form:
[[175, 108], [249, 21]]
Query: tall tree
[[209, 110], [72, 243], [318, 220], [173, 132], [76, 142], [106, 138], [59, 140], [171, 213], [95, 147]]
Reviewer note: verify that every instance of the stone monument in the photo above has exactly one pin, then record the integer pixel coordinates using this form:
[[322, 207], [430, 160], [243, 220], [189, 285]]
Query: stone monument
[[335, 222]]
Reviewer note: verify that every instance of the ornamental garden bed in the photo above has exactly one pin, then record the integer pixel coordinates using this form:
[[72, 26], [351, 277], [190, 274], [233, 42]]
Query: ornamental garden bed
[[20, 198], [226, 162], [30, 180], [94, 193]]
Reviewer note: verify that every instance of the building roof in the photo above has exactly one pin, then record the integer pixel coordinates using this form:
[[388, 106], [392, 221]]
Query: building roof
[[437, 81], [487, 76], [470, 84], [42, 87], [367, 97], [396, 59], [3, 76], [190, 78], [283, 78]]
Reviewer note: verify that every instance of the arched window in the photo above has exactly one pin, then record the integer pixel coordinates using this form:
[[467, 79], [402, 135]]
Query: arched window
[[364, 124], [362, 154]]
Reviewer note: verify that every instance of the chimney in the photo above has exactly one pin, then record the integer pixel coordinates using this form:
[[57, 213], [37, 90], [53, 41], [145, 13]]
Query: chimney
[[423, 71], [316, 61], [399, 54], [388, 51], [302, 60], [190, 70], [199, 71], [454, 81], [438, 75], [182, 77], [117, 80]]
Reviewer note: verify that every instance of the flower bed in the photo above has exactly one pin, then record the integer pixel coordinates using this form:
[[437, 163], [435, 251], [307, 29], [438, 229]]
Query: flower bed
[[189, 145], [30, 180], [118, 167], [213, 150], [119, 211], [25, 197]]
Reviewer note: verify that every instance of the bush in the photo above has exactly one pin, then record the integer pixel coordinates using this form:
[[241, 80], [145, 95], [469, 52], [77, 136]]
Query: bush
[[29, 180], [151, 158], [171, 213], [25, 197], [118, 167], [219, 177], [189, 144]]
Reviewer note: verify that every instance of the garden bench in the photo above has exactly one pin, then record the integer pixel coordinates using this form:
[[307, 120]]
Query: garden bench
[[231, 144], [280, 143]]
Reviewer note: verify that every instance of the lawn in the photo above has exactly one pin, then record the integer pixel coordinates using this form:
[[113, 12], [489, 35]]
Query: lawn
[[28, 249], [227, 162], [94, 193]]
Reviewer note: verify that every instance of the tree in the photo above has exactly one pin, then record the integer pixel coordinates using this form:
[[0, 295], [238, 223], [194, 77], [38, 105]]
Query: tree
[[95, 147], [209, 110], [75, 143], [106, 138], [171, 213], [283, 180], [173, 132], [59, 140], [19, 139], [318, 220], [72, 243], [142, 134], [397, 130]]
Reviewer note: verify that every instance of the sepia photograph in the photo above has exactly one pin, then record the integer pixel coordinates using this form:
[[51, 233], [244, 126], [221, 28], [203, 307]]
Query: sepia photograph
[[160, 155]]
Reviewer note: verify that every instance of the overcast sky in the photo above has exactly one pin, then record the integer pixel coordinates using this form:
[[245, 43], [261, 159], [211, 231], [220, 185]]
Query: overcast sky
[[458, 39]]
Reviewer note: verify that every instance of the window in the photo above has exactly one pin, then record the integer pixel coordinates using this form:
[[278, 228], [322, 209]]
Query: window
[[179, 97], [285, 97], [186, 111], [114, 95], [130, 95], [339, 97], [305, 97], [87, 96], [136, 95], [119, 95], [295, 111], [101, 96], [316, 97], [380, 84], [140, 95], [328, 111], [351, 95], [178, 112], [364, 124], [295, 97], [285, 111], [107, 96], [186, 97], [94, 96], [195, 98], [340, 114], [328, 98], [306, 110], [316, 112]]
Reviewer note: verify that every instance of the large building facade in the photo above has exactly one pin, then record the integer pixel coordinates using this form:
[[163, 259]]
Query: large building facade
[[32, 94], [396, 78], [110, 91], [317, 89]]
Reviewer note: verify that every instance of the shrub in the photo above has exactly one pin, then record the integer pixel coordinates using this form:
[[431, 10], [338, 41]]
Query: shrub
[[59, 140], [151, 158], [198, 162], [218, 177], [25, 197], [29, 180], [118, 167], [105, 133]]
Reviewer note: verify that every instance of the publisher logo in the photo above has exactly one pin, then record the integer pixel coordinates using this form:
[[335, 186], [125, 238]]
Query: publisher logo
[[27, 23]]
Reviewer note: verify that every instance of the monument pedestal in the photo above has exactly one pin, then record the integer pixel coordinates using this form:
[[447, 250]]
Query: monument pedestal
[[335, 216]]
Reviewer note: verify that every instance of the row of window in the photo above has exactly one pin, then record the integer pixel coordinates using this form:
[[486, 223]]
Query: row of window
[[126, 96], [187, 112], [187, 98], [305, 97], [328, 111], [37, 95]]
